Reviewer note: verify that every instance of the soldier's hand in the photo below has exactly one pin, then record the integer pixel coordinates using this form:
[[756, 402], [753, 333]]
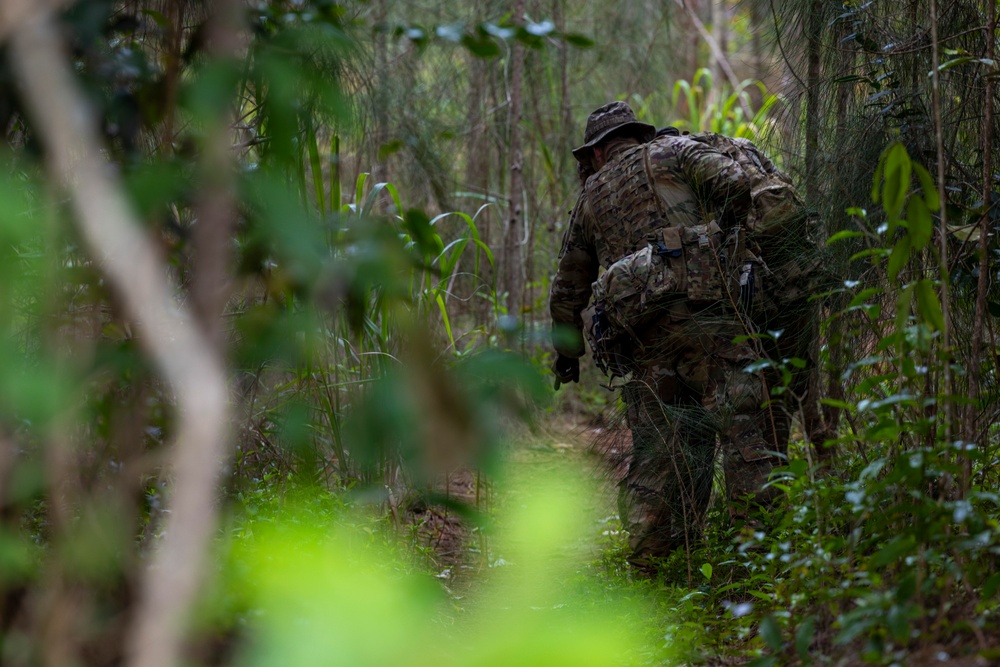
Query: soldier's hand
[[566, 369]]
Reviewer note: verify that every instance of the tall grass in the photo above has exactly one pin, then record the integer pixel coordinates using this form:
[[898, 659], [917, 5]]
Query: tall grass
[[395, 272]]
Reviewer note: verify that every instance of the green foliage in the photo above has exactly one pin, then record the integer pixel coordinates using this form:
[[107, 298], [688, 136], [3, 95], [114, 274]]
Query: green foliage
[[308, 588], [486, 39], [886, 548], [702, 105]]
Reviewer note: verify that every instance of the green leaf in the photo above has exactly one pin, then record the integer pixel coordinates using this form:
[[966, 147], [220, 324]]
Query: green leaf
[[897, 181], [542, 29], [706, 570], [904, 305], [991, 586], [418, 226], [578, 40], [481, 46], [929, 187], [158, 18], [896, 549], [948, 64], [803, 638], [450, 32], [503, 32], [863, 296], [843, 235], [771, 633], [758, 366], [874, 253], [900, 255], [312, 147], [929, 305], [444, 319], [898, 622], [877, 177], [796, 362]]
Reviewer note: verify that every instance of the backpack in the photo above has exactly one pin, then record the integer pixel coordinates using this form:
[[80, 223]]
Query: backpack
[[702, 263]]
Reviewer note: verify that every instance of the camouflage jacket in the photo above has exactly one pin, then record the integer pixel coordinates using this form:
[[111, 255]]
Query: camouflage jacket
[[616, 214]]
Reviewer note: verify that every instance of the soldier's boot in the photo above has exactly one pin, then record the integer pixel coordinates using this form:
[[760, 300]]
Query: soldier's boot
[[651, 530]]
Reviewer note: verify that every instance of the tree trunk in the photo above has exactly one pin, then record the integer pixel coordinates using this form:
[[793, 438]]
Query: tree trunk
[[973, 432], [717, 9], [512, 274], [381, 97], [814, 35]]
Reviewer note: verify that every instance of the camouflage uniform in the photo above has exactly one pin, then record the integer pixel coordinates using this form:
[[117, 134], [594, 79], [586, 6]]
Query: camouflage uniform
[[685, 382]]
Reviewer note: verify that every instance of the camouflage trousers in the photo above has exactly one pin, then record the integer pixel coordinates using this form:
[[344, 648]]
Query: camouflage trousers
[[688, 401]]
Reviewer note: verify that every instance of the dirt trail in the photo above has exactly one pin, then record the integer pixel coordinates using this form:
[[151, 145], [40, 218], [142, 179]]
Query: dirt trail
[[456, 549]]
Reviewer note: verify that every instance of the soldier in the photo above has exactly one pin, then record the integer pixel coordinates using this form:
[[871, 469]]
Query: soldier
[[665, 218]]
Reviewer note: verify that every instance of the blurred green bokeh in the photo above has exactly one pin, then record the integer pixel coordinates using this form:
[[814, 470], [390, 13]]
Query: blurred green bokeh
[[326, 592]]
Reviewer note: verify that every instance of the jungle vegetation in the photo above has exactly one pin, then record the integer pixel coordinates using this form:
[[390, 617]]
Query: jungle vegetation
[[274, 378]]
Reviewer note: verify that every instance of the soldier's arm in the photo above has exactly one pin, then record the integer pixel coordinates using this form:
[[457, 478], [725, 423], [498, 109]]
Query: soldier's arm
[[716, 178], [571, 287]]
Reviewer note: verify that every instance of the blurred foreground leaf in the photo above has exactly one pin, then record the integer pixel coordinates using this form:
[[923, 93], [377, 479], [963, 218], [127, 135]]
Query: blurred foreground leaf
[[330, 595]]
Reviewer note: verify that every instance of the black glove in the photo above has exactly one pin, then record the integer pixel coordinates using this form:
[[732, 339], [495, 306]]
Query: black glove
[[566, 369]]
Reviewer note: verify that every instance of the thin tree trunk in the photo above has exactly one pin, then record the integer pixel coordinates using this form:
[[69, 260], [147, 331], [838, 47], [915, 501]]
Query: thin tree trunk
[[814, 115], [172, 76], [944, 271], [757, 45], [180, 349], [686, 30], [381, 98], [512, 237], [972, 430], [477, 165], [565, 134], [718, 21], [717, 54]]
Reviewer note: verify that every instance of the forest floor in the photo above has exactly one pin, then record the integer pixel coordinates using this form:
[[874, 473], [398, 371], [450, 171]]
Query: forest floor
[[456, 547], [461, 555]]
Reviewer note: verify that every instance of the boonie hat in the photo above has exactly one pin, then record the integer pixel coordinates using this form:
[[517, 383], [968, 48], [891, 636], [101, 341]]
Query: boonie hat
[[615, 117]]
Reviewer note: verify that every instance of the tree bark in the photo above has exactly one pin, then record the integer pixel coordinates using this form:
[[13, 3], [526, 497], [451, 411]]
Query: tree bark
[[513, 265], [944, 270], [814, 115], [973, 432]]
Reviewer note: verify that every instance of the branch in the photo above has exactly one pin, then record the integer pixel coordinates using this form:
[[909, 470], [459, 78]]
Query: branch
[[193, 370]]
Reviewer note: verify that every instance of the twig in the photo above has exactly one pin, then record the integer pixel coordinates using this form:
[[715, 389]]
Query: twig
[[182, 353]]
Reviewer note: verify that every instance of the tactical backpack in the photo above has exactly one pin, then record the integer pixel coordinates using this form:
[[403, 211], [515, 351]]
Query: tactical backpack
[[674, 264], [779, 228]]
